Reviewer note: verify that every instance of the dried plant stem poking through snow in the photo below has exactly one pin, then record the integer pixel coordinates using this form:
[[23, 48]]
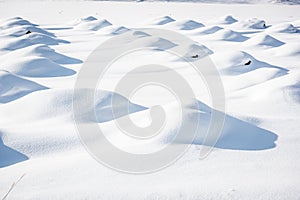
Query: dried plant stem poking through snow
[[12, 187]]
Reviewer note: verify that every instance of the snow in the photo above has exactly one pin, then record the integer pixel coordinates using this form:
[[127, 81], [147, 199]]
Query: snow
[[162, 20], [255, 48], [264, 40], [13, 87], [93, 25], [188, 25], [227, 19], [228, 35]]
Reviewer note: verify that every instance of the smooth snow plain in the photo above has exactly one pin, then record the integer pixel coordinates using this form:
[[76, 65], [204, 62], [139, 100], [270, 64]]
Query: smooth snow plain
[[255, 47]]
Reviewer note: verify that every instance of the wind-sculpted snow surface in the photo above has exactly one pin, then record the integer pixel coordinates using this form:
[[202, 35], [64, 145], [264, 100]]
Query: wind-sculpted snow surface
[[13, 87], [9, 156], [253, 49], [264, 40], [187, 25], [228, 35], [92, 24], [43, 51], [162, 20], [292, 2]]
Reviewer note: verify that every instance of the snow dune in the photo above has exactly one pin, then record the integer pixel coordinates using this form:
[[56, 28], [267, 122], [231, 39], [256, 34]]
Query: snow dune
[[51, 104], [17, 31], [196, 112], [209, 30], [17, 26], [228, 35], [28, 40], [113, 30], [34, 66], [35, 57], [264, 40], [162, 20], [235, 63], [92, 24], [15, 21], [186, 24], [40, 50], [252, 23], [13, 87], [227, 19]]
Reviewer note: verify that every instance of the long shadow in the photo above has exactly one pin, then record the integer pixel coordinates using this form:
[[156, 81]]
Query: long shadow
[[241, 135], [247, 32], [59, 28], [61, 58], [236, 134], [14, 87], [9, 156]]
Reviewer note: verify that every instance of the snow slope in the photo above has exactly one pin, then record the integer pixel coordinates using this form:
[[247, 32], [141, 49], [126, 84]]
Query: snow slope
[[255, 48], [13, 87]]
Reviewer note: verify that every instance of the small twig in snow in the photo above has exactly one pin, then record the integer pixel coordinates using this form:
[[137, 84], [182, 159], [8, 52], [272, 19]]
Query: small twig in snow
[[12, 187]]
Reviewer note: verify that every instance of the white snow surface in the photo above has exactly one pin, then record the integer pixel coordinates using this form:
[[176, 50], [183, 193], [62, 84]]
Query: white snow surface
[[256, 48]]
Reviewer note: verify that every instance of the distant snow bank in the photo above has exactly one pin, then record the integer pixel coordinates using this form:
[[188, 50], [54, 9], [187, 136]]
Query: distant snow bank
[[219, 1]]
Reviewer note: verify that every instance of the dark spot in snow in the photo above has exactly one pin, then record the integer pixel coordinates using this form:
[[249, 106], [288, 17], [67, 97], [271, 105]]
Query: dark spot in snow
[[248, 63], [28, 32], [195, 56]]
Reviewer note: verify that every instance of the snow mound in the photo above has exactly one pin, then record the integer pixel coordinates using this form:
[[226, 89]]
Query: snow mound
[[200, 51], [93, 25], [227, 19], [40, 50], [15, 21], [236, 134], [228, 35], [283, 28], [106, 112], [88, 19], [252, 23], [34, 66], [58, 103], [13, 87], [235, 63], [28, 40], [265, 40], [162, 20], [82, 20], [189, 25], [114, 30], [18, 31], [10, 18], [209, 30], [17, 27]]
